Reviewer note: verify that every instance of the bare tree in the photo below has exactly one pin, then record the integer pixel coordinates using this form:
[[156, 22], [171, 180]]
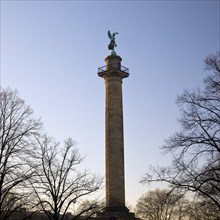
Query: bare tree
[[17, 128], [89, 208], [203, 210], [161, 205], [196, 148], [58, 183]]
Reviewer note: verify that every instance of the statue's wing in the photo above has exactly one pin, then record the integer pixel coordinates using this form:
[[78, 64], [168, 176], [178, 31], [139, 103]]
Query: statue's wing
[[109, 34]]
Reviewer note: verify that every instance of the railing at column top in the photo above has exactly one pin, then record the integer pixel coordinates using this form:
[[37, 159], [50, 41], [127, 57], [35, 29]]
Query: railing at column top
[[112, 67]]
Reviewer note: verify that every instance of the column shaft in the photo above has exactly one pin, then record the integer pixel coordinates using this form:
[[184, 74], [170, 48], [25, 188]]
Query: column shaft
[[115, 186]]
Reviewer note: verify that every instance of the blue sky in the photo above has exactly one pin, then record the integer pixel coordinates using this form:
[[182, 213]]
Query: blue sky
[[51, 50]]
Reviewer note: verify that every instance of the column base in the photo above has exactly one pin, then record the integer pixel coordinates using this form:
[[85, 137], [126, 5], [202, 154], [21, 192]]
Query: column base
[[116, 213]]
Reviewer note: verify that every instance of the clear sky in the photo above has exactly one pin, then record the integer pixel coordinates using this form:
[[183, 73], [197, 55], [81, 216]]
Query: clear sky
[[51, 51]]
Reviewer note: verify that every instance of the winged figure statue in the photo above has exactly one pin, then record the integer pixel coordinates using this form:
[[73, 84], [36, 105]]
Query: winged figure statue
[[112, 43]]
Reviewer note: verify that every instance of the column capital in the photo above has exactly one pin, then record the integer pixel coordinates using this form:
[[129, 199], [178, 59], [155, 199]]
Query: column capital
[[113, 68], [113, 74]]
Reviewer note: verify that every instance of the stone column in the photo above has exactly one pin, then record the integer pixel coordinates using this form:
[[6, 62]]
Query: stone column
[[115, 184]]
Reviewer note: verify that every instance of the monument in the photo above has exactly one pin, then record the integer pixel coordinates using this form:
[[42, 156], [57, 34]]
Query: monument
[[113, 74]]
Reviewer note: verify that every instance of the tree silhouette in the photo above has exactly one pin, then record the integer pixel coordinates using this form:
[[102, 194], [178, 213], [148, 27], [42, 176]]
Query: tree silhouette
[[58, 183], [196, 148], [17, 131], [161, 205]]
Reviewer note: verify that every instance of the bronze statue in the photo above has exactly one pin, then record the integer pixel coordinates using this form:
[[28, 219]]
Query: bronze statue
[[112, 43]]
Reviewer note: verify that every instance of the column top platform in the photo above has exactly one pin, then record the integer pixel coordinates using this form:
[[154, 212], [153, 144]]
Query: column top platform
[[113, 63]]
